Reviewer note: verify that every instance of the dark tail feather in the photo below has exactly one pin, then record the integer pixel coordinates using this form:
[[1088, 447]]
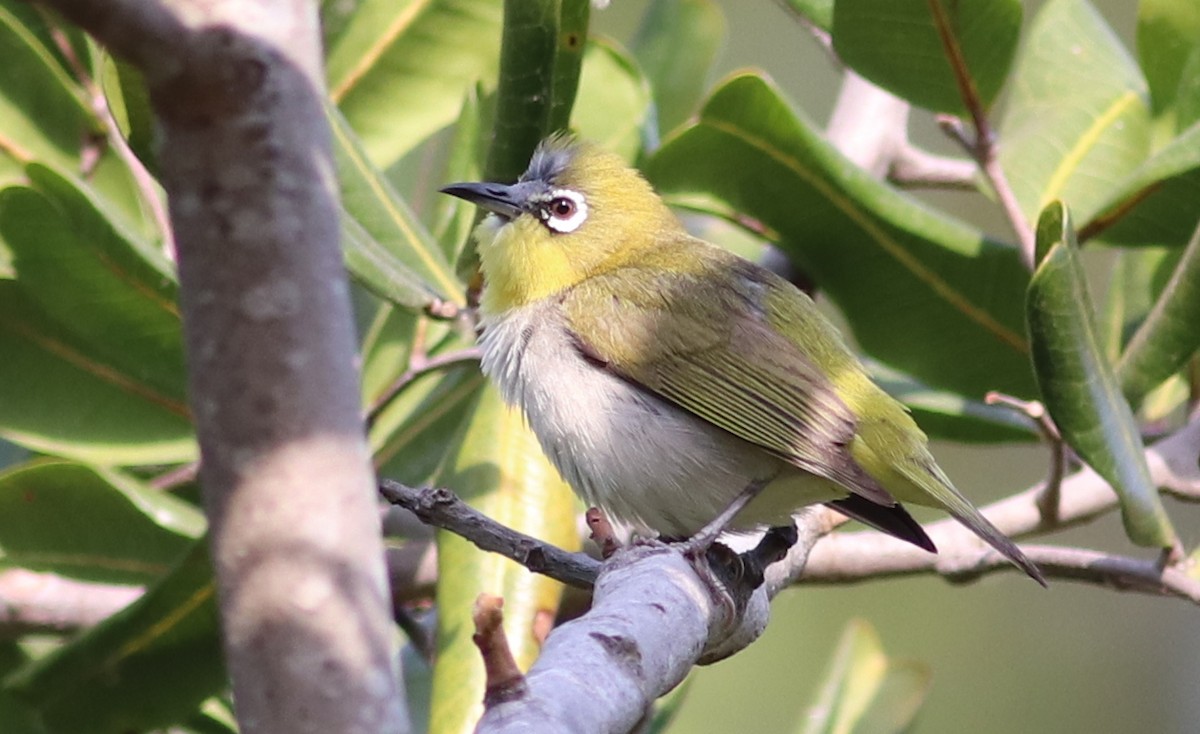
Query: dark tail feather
[[894, 520], [1001, 542]]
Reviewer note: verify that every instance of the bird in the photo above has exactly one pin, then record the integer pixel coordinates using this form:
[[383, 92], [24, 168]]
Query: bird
[[675, 384]]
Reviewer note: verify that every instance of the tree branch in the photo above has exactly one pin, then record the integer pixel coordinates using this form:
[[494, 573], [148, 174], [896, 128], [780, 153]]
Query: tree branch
[[853, 557], [44, 603], [246, 162], [651, 620], [869, 125]]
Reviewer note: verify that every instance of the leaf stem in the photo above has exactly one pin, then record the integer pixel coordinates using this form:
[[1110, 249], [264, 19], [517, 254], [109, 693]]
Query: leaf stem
[[1049, 501]]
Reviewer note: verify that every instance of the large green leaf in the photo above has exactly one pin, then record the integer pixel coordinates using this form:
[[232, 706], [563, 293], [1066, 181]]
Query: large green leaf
[[115, 293], [1077, 383], [146, 667], [91, 523], [57, 397], [398, 69], [865, 691], [386, 247], [906, 46], [1168, 32], [1170, 335], [1155, 204], [676, 46], [93, 337], [614, 100], [923, 293], [1077, 119], [499, 468], [43, 115]]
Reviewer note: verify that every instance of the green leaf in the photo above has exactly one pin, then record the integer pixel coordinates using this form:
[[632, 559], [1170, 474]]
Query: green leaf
[[129, 101], [214, 717], [1137, 278], [1187, 99], [387, 348], [498, 467], [923, 293], [56, 397], [906, 46], [1077, 119], [1078, 386], [667, 708], [146, 667], [817, 12], [43, 115], [676, 46], [454, 217], [614, 100], [398, 70], [1155, 204], [412, 435], [386, 247], [115, 293], [1170, 335], [16, 716], [91, 523], [1168, 32], [949, 416], [865, 690]]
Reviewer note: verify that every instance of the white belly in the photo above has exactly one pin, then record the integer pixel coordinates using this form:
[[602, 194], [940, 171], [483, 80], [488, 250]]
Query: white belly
[[641, 459]]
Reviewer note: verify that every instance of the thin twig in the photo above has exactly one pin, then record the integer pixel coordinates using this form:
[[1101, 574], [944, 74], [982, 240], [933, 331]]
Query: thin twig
[[914, 167], [441, 508], [1122, 573], [174, 477], [983, 147], [1049, 501], [419, 366]]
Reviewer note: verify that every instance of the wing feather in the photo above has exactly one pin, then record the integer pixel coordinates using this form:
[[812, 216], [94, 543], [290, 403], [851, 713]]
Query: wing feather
[[711, 351]]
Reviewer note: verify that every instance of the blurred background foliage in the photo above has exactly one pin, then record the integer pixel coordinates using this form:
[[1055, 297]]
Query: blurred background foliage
[[721, 103]]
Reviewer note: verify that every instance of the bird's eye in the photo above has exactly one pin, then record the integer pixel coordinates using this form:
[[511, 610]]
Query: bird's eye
[[564, 211], [562, 207]]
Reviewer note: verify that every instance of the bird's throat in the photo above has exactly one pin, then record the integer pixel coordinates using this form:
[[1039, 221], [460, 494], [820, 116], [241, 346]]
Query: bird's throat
[[519, 270]]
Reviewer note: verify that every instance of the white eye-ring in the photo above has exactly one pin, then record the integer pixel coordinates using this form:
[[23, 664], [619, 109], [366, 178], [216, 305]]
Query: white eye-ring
[[564, 211]]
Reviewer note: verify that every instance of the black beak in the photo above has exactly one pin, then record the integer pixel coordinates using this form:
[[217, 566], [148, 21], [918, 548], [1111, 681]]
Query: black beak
[[507, 201]]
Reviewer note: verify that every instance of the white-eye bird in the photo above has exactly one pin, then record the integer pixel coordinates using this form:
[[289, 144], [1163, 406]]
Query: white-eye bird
[[665, 376]]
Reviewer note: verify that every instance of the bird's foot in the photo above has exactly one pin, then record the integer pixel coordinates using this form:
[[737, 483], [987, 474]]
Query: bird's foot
[[602, 531]]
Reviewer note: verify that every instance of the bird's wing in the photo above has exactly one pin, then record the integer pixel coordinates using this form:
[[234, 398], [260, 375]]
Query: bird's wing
[[712, 351]]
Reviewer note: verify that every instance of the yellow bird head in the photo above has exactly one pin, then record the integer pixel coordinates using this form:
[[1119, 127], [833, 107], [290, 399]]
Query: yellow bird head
[[577, 211]]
